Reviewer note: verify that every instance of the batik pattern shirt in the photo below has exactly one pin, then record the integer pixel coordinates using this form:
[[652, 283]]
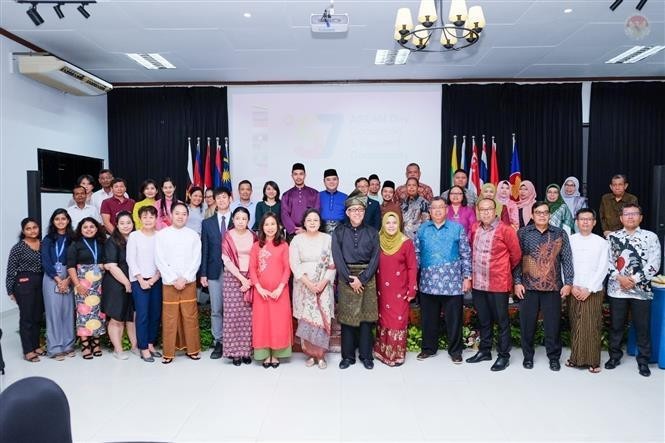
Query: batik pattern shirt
[[637, 256]]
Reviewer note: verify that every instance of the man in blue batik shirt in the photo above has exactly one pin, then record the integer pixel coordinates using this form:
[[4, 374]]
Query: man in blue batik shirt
[[332, 201]]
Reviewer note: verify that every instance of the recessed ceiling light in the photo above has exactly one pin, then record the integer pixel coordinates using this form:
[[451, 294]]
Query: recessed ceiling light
[[151, 61], [635, 54], [247, 15], [391, 57], [567, 11]]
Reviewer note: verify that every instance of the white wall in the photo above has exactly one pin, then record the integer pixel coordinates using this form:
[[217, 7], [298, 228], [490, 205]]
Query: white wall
[[34, 116]]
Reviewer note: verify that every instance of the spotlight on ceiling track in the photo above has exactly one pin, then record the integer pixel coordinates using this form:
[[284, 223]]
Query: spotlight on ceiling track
[[82, 10], [34, 15], [58, 10], [640, 5], [615, 5]]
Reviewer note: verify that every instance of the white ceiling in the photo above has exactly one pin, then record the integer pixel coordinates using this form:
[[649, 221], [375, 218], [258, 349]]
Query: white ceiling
[[211, 41]]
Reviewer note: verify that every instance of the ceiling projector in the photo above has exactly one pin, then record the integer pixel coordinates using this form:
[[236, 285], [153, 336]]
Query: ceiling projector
[[329, 22]]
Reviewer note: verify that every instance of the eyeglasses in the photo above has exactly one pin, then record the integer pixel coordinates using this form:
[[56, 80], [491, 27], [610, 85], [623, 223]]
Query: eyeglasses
[[486, 209], [631, 214], [541, 212], [355, 210]]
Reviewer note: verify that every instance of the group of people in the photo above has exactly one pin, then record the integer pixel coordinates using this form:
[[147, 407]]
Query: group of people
[[108, 264]]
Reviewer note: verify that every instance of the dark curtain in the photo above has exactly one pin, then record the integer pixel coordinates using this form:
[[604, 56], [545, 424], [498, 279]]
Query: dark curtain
[[148, 130], [546, 118], [626, 136]]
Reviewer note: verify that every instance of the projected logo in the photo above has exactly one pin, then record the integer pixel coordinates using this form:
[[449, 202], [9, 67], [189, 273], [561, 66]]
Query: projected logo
[[315, 136]]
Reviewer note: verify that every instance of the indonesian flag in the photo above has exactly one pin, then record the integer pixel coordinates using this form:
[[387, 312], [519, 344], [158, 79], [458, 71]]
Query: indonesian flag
[[474, 176], [494, 166], [207, 172]]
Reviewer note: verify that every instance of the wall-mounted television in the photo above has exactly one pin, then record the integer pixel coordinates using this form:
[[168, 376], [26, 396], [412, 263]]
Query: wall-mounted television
[[59, 170]]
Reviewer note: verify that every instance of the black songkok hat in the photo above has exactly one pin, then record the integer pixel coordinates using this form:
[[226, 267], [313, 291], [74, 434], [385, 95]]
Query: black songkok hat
[[297, 167], [388, 184], [330, 173], [373, 177]]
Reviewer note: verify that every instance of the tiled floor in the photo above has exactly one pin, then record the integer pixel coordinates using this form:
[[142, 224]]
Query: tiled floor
[[211, 400]]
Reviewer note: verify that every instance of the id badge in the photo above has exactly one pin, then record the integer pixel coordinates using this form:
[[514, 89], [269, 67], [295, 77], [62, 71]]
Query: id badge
[[59, 267]]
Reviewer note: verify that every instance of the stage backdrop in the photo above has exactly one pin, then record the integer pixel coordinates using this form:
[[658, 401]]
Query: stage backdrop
[[547, 120], [357, 129], [148, 130], [626, 136]]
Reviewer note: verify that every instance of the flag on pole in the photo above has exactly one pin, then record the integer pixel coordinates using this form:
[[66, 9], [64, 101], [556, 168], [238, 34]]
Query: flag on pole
[[474, 178], [463, 154], [515, 172], [453, 160], [190, 166], [217, 173], [197, 164], [226, 171], [207, 171], [494, 166], [483, 164]]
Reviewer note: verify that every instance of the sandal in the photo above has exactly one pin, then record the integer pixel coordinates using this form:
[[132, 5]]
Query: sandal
[[59, 357], [40, 352], [86, 346], [310, 362], [32, 357], [71, 353], [323, 364], [594, 370], [166, 360], [196, 356], [266, 364], [570, 364], [97, 350]]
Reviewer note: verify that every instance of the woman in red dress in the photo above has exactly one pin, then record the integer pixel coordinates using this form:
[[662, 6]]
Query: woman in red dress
[[396, 285], [269, 270]]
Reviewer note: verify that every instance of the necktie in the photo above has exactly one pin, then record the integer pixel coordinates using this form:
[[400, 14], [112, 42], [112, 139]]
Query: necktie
[[222, 228]]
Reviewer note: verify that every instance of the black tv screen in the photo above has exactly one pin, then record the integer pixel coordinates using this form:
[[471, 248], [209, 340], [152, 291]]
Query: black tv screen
[[59, 170]]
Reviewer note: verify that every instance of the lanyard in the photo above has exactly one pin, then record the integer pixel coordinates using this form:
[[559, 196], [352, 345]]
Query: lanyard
[[93, 252], [59, 249]]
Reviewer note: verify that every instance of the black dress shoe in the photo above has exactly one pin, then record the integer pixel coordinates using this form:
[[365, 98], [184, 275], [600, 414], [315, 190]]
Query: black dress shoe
[[424, 355], [217, 353], [555, 365], [346, 362], [457, 359], [237, 362], [480, 356], [368, 364], [528, 364], [612, 363], [644, 369], [247, 360], [500, 364]]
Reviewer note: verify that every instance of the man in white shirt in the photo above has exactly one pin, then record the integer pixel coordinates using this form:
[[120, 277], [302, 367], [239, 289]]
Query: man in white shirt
[[590, 252], [245, 199], [212, 232], [80, 209], [105, 178], [178, 257]]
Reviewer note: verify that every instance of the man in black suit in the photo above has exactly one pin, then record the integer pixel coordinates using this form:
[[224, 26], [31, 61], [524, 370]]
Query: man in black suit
[[212, 230], [373, 210]]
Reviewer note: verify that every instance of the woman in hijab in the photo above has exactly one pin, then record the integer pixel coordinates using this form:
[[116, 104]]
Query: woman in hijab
[[560, 215], [503, 192], [571, 195], [527, 197], [396, 286], [488, 190]]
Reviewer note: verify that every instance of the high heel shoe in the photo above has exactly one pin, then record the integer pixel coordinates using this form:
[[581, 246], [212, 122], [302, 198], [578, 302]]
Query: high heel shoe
[[237, 362]]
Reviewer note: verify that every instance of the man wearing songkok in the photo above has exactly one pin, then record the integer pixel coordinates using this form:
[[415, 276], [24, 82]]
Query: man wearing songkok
[[390, 201], [444, 259], [178, 257], [585, 305], [355, 249], [612, 203], [495, 251], [545, 254], [332, 201], [461, 179], [413, 170], [296, 201], [374, 188], [634, 261]]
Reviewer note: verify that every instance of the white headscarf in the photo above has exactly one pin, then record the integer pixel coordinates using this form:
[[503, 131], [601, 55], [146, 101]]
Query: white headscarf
[[570, 199]]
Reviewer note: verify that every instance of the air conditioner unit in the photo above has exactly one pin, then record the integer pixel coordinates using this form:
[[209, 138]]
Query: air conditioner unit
[[59, 74]]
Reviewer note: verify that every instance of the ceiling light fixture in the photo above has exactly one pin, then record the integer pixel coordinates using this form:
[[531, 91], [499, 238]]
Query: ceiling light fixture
[[247, 15], [465, 25], [58, 11], [615, 5], [640, 5], [567, 11], [635, 54], [151, 61], [37, 19], [34, 15]]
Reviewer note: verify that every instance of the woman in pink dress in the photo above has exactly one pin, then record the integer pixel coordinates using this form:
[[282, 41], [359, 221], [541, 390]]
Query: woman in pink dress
[[164, 204], [269, 271], [396, 286], [503, 192], [458, 210]]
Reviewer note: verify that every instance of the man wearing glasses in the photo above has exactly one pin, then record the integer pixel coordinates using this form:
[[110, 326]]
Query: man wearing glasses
[[538, 284], [355, 250], [634, 261]]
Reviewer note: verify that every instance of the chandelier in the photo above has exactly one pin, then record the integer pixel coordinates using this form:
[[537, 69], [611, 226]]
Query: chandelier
[[463, 29]]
